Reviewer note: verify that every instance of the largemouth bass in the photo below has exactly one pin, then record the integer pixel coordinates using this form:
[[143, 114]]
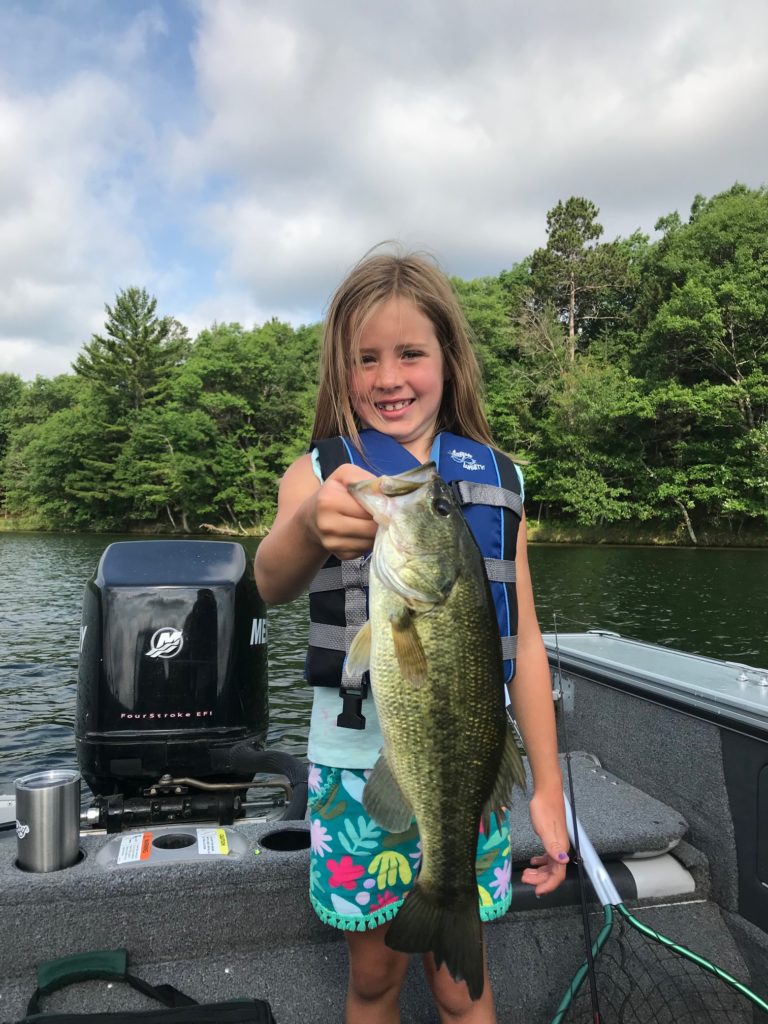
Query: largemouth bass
[[449, 758]]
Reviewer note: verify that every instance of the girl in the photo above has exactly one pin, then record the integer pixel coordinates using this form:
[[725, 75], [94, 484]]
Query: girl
[[399, 384]]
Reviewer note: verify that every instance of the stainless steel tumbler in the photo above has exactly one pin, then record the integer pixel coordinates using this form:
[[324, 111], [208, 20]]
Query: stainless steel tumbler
[[47, 820]]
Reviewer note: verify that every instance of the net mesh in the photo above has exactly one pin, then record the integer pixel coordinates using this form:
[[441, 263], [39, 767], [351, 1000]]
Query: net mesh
[[640, 981]]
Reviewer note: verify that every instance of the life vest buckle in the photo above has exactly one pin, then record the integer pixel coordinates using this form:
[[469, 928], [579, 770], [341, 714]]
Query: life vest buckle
[[455, 486], [351, 716]]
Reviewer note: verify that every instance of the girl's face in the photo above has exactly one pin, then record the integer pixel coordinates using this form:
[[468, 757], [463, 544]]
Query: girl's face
[[397, 387]]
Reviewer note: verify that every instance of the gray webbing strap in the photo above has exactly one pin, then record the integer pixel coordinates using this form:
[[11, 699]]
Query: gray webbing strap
[[488, 494], [353, 688], [338, 638], [331, 638], [500, 571], [349, 574], [353, 573], [508, 647]]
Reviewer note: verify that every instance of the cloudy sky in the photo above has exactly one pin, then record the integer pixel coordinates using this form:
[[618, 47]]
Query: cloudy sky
[[236, 157]]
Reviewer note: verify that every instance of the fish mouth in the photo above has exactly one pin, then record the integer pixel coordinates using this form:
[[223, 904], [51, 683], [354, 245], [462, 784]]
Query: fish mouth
[[374, 495], [408, 482], [385, 497]]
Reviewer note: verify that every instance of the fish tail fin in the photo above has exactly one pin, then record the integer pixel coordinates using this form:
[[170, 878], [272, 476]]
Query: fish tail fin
[[453, 934]]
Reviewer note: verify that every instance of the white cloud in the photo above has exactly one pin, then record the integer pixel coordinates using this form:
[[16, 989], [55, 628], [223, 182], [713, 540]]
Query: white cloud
[[65, 216], [462, 129], [305, 133]]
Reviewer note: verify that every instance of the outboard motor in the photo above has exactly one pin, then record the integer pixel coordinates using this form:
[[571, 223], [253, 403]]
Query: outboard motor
[[172, 703]]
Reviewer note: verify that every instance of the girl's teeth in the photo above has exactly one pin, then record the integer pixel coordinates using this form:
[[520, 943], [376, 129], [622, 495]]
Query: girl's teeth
[[393, 406]]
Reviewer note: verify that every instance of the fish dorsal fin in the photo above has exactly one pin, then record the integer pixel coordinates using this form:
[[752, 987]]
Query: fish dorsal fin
[[384, 800], [408, 649], [511, 773], [359, 657]]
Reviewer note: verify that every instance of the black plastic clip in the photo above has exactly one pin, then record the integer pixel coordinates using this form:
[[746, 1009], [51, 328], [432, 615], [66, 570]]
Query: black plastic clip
[[455, 488], [352, 716]]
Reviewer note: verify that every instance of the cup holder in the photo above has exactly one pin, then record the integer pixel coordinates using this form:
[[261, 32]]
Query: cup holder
[[174, 841], [28, 871], [286, 840]]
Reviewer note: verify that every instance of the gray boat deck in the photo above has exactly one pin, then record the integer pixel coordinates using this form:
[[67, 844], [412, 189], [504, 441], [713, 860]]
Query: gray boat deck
[[244, 927]]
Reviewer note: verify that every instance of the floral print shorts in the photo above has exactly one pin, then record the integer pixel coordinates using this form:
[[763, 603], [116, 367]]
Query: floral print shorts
[[360, 873]]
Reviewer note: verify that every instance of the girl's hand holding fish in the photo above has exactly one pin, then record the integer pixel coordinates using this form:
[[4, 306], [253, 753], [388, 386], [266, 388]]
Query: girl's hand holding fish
[[338, 521], [313, 521]]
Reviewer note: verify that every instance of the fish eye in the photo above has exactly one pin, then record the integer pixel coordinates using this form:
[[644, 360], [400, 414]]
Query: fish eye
[[442, 506]]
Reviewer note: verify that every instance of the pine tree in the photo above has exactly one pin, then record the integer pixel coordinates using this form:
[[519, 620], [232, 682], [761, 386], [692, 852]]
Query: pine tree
[[133, 362]]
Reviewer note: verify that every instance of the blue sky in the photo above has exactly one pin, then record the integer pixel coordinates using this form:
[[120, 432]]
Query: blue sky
[[236, 157]]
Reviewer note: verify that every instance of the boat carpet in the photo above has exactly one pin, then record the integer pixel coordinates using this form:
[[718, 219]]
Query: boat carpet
[[532, 958]]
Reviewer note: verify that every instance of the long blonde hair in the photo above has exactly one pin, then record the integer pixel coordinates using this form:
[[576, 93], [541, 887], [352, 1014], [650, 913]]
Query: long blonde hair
[[373, 280]]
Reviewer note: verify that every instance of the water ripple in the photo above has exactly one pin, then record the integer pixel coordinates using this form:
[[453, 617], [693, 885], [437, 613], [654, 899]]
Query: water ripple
[[708, 602]]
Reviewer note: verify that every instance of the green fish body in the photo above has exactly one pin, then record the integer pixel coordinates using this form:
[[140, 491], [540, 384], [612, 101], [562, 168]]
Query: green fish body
[[434, 652]]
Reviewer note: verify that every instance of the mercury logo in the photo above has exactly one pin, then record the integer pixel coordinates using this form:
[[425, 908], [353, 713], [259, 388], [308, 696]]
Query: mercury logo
[[166, 642], [258, 632], [21, 830]]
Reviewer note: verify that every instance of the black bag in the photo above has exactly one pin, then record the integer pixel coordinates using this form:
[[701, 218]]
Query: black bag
[[112, 965]]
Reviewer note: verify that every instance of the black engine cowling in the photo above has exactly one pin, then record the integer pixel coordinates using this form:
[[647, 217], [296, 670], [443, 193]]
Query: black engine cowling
[[173, 665]]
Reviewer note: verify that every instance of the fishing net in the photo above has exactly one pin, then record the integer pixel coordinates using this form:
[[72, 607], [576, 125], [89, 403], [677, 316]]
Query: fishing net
[[644, 978]]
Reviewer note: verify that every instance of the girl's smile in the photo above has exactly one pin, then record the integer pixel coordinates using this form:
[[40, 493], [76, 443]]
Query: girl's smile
[[397, 385]]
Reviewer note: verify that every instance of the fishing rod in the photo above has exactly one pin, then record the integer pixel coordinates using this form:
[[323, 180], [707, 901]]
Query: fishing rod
[[597, 1019]]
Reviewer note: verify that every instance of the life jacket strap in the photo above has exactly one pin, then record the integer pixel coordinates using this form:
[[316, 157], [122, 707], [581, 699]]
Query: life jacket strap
[[508, 648], [353, 573], [499, 570], [332, 638], [468, 493], [335, 577], [338, 638]]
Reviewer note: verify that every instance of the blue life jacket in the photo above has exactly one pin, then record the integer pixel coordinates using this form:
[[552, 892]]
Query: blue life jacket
[[486, 485]]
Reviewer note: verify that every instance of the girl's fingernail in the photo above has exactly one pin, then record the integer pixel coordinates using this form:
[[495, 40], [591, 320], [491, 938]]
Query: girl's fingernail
[[562, 856]]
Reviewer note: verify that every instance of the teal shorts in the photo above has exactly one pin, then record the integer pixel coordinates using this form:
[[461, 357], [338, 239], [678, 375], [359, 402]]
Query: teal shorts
[[360, 873]]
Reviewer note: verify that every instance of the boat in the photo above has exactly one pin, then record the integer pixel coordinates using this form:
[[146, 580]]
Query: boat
[[665, 755]]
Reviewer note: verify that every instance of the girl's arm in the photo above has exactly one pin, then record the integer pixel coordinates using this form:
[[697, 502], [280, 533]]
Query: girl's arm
[[313, 521], [535, 715]]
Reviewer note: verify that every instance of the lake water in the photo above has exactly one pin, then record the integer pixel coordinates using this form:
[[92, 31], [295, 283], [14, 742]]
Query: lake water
[[709, 602]]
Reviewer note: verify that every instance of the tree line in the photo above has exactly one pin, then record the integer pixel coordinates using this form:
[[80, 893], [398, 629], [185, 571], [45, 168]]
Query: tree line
[[629, 376]]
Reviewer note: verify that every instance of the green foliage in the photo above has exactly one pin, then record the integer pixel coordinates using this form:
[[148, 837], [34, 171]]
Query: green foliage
[[132, 363], [630, 377], [11, 391], [581, 280]]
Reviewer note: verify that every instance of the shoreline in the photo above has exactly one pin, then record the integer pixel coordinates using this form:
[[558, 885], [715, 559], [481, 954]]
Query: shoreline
[[538, 534]]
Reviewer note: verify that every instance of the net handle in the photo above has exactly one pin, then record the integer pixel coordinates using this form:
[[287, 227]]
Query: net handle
[[601, 881]]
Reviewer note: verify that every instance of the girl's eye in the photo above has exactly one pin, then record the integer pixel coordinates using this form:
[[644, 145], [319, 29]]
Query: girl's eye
[[441, 506], [411, 354], [367, 360]]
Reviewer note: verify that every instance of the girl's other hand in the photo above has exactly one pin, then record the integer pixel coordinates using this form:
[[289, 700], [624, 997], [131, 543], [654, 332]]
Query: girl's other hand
[[339, 523], [548, 820]]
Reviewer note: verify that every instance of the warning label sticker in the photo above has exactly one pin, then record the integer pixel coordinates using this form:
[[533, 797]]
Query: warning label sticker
[[212, 841], [135, 847]]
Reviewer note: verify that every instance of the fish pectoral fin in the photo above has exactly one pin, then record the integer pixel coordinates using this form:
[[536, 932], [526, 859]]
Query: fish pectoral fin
[[384, 800], [359, 657], [511, 773], [408, 650]]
